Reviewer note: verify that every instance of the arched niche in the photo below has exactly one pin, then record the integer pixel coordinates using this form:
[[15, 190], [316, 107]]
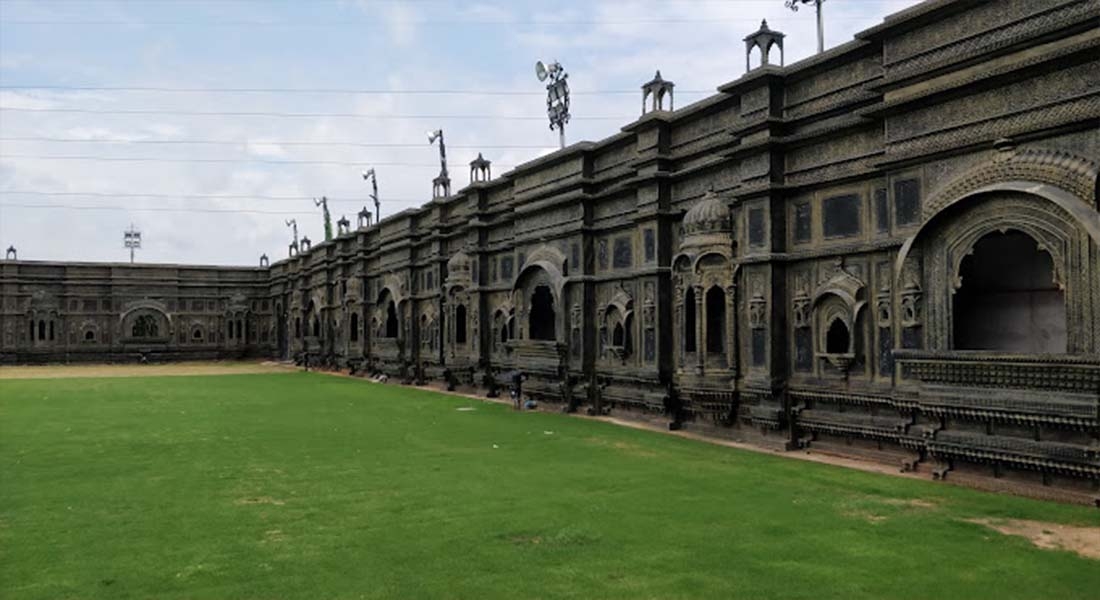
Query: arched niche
[[537, 294], [838, 322], [1009, 299], [387, 316], [954, 238], [705, 307], [145, 321]]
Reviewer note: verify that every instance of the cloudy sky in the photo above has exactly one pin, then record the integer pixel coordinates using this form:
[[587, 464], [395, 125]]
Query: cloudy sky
[[208, 123]]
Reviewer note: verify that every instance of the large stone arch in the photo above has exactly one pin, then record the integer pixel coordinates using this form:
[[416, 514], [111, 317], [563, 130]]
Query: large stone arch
[[1066, 180], [535, 274], [145, 308], [1048, 195]]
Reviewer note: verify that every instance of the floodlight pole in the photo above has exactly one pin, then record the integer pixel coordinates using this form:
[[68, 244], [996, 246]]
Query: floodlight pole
[[557, 96], [373, 177], [131, 238], [793, 5]]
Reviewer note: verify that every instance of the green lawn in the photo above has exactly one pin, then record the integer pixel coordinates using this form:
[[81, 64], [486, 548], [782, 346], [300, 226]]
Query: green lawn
[[306, 486]]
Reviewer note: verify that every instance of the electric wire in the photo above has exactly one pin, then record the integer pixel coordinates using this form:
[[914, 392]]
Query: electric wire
[[245, 143], [312, 115]]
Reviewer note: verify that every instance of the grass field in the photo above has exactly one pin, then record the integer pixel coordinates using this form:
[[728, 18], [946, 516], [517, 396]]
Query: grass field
[[307, 486]]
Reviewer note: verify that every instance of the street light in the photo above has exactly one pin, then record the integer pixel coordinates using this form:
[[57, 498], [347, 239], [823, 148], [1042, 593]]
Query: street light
[[557, 95]]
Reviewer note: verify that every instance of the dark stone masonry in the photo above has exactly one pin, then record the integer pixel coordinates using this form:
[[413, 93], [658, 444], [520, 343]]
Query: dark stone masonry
[[890, 249]]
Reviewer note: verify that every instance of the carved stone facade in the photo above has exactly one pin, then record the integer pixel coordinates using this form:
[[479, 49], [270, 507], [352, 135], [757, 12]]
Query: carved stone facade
[[889, 249], [72, 312]]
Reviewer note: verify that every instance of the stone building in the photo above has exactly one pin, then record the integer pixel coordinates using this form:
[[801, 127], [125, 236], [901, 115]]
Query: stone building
[[890, 249]]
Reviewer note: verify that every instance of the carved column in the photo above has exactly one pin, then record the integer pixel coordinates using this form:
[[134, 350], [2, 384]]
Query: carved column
[[678, 306], [731, 325], [700, 340]]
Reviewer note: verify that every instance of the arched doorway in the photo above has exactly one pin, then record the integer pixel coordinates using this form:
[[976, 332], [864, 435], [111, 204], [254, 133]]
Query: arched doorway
[[542, 319], [283, 346], [460, 324], [391, 320], [837, 338], [1008, 300], [689, 320], [716, 320]]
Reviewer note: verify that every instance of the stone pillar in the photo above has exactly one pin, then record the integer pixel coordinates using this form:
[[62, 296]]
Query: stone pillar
[[700, 329], [679, 324], [731, 325]]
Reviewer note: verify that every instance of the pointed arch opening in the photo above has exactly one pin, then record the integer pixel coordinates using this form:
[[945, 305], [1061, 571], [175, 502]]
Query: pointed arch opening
[[391, 320], [716, 320], [838, 340], [460, 324], [543, 323], [618, 335], [689, 320], [354, 327]]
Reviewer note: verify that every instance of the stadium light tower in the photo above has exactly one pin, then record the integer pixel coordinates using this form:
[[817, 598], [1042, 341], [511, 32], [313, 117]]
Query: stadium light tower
[[793, 5], [557, 95], [131, 238]]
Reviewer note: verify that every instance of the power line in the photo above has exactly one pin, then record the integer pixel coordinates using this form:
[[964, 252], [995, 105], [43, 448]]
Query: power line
[[95, 194], [416, 22], [273, 143], [97, 111], [158, 209], [363, 163], [347, 91]]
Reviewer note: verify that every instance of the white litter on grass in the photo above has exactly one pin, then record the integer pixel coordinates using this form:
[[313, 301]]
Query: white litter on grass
[[465, 408], [548, 433], [496, 446]]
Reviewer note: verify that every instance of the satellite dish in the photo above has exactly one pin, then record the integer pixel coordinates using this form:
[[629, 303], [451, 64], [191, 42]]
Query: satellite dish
[[540, 71]]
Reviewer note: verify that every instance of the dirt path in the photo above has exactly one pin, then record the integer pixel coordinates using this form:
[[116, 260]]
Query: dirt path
[[1085, 541], [136, 370]]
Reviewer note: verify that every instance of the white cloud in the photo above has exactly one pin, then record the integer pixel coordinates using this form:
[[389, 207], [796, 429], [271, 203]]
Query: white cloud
[[620, 53]]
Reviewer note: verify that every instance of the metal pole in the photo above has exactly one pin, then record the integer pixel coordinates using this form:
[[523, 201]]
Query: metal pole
[[820, 28], [561, 135]]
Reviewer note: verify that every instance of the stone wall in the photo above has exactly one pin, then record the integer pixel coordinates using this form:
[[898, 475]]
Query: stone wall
[[71, 312]]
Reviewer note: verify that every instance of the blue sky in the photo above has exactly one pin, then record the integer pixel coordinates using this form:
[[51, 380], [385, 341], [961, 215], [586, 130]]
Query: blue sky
[[263, 166]]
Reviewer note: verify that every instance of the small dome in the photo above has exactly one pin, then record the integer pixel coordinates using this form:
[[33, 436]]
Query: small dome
[[709, 215], [459, 263]]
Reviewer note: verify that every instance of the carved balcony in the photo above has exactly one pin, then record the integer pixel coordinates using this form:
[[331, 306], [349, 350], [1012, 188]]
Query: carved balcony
[[857, 424], [1067, 459], [1057, 390]]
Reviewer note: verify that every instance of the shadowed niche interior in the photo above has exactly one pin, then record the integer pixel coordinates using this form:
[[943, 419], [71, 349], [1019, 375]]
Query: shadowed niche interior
[[837, 338], [542, 314], [1009, 300]]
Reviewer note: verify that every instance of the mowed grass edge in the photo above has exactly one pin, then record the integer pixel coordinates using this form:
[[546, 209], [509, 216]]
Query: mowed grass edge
[[310, 486]]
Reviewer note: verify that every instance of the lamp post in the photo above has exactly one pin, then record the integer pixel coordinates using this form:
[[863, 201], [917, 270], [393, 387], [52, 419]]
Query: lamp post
[[793, 5], [131, 238], [557, 96], [369, 174]]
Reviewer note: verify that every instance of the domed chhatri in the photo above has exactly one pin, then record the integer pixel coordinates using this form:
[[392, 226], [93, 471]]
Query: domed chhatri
[[709, 215], [458, 265]]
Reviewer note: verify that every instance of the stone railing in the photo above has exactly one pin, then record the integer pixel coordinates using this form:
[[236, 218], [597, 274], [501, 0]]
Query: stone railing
[[1051, 372]]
